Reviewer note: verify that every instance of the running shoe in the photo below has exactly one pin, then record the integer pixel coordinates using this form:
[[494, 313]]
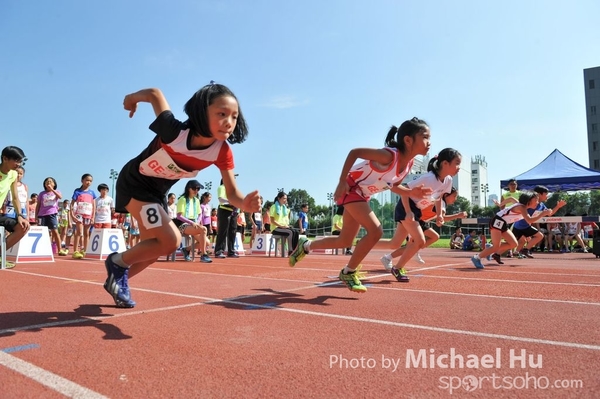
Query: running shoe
[[77, 255], [63, 252], [205, 258], [299, 253], [9, 265], [418, 258], [220, 255], [477, 263], [186, 254], [400, 275], [119, 303], [116, 284], [386, 261], [496, 257], [526, 253], [352, 280]]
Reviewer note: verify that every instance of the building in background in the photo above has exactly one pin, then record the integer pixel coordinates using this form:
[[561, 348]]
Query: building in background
[[591, 80], [480, 186]]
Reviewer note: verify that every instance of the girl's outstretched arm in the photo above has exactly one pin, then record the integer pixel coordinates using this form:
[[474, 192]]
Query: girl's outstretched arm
[[152, 96]]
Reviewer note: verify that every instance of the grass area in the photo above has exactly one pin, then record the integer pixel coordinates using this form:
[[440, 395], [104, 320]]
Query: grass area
[[441, 243]]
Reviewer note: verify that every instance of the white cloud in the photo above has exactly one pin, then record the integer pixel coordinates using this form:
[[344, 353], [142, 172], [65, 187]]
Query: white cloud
[[283, 102]]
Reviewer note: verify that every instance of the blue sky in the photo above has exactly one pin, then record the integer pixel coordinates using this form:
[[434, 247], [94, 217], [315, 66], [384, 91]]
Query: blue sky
[[314, 79]]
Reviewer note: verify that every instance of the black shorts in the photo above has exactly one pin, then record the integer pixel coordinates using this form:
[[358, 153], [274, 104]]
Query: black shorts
[[50, 221], [528, 232], [133, 185], [8, 223], [400, 212], [181, 225], [497, 223]]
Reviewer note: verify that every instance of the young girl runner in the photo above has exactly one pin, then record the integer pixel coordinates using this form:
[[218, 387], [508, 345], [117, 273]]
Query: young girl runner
[[47, 211], [408, 212], [382, 169], [523, 230], [428, 214], [179, 150], [499, 226]]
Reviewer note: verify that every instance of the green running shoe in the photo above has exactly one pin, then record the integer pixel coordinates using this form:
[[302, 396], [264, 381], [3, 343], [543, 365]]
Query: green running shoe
[[352, 280], [298, 253]]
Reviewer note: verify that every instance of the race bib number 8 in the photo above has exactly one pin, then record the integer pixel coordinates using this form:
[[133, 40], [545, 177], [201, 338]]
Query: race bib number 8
[[151, 216]]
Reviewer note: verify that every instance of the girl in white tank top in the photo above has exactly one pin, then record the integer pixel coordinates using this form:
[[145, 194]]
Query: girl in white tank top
[[382, 169], [499, 227]]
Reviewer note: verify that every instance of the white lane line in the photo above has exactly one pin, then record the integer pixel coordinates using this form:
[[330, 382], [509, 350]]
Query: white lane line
[[236, 301], [53, 381], [312, 286], [494, 280]]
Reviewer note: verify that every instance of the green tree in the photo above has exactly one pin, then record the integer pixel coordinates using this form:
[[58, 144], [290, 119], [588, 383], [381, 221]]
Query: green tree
[[460, 205], [594, 203], [578, 203], [297, 197]]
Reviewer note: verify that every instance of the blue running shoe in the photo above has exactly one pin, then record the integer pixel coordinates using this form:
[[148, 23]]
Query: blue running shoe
[[477, 263], [186, 254], [116, 283], [118, 302]]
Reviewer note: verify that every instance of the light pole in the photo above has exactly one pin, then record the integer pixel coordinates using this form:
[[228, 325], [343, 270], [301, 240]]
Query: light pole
[[330, 199], [113, 177], [485, 188]]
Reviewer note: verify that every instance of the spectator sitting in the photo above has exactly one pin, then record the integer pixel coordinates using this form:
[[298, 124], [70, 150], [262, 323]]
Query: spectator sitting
[[470, 243], [456, 240]]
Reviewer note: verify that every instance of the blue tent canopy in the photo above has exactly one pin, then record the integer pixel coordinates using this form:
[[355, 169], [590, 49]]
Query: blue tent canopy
[[559, 173]]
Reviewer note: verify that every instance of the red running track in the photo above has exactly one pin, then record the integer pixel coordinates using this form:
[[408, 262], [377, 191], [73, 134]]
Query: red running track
[[255, 328]]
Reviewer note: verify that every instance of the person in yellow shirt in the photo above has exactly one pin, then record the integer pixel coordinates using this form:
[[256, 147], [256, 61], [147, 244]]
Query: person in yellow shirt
[[280, 221], [337, 224], [18, 225]]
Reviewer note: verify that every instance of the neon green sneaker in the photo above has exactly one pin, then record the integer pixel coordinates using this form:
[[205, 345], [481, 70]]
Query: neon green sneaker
[[298, 253], [9, 265], [352, 280], [77, 255]]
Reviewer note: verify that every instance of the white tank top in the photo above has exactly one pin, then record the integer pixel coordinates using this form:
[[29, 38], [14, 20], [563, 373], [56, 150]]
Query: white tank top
[[508, 216], [369, 179]]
